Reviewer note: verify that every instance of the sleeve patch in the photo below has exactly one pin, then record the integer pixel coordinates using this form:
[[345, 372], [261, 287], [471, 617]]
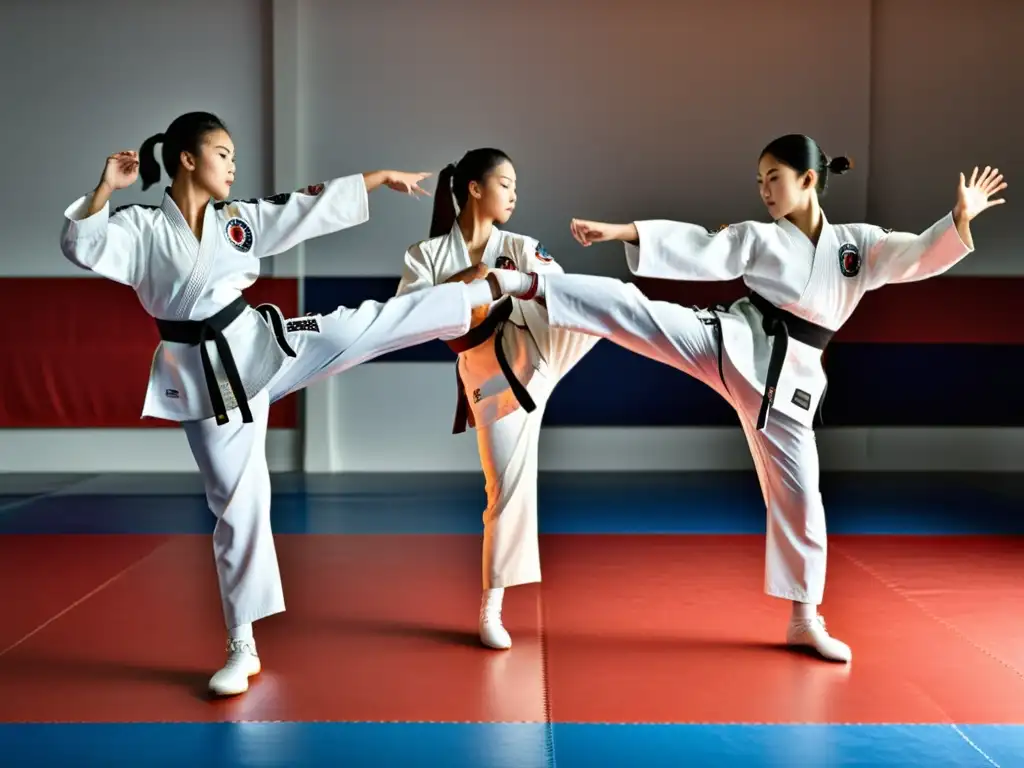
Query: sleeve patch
[[312, 190], [542, 254]]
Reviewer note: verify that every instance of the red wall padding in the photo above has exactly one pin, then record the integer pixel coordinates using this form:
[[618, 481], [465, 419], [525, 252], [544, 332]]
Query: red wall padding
[[76, 352]]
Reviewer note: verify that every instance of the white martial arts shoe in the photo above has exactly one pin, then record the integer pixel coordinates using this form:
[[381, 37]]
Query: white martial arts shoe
[[492, 632], [812, 633], [243, 663]]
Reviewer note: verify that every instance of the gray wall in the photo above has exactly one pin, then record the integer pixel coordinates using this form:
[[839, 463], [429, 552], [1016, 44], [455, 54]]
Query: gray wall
[[611, 110]]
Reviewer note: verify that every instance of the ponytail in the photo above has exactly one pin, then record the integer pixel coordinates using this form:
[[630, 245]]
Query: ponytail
[[453, 186], [149, 168], [443, 218], [184, 134]]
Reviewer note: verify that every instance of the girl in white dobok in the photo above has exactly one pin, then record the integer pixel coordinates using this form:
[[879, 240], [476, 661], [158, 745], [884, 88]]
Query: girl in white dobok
[[762, 353], [508, 363], [221, 363]]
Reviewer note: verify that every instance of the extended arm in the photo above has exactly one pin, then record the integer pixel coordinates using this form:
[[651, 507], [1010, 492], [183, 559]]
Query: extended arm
[[905, 257], [673, 250], [282, 221], [902, 257]]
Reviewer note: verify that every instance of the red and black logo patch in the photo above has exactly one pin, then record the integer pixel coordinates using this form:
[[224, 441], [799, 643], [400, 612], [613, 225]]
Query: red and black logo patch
[[239, 234], [504, 262], [313, 190], [849, 259]]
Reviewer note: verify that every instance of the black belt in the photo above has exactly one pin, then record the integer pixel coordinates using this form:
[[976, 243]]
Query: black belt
[[782, 326], [197, 332], [491, 326]]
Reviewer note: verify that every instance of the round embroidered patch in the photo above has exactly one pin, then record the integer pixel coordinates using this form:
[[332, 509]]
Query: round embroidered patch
[[504, 262], [849, 259], [239, 234], [542, 254], [314, 189]]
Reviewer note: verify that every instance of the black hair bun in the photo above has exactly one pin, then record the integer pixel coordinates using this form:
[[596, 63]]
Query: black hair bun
[[840, 165]]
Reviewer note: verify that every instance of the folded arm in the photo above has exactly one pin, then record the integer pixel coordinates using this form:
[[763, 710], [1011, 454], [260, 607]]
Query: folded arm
[[108, 244]]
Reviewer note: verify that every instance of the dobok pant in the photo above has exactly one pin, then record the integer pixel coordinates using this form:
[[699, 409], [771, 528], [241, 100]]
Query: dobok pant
[[508, 456], [232, 457], [785, 453]]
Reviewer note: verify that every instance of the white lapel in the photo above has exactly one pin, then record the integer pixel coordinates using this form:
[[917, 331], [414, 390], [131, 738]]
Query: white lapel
[[800, 242], [460, 251], [818, 254], [200, 254], [492, 250], [179, 225]]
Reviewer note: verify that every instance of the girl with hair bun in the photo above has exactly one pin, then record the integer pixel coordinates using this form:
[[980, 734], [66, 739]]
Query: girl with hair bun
[[763, 353]]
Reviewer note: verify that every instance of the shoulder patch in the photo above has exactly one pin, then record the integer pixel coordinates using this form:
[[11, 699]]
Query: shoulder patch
[[713, 232], [542, 254], [849, 259], [239, 234], [312, 190], [886, 231]]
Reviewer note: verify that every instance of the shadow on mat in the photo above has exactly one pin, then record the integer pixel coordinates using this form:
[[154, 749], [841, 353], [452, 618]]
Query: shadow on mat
[[640, 643], [40, 670], [371, 627]]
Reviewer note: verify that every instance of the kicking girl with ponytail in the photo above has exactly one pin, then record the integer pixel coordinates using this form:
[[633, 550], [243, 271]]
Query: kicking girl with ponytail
[[221, 363]]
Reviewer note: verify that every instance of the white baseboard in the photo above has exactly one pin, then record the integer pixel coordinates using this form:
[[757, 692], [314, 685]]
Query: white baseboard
[[100, 451], [387, 449]]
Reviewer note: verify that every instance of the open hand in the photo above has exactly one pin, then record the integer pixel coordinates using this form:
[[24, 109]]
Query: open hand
[[122, 169], [974, 197], [403, 181]]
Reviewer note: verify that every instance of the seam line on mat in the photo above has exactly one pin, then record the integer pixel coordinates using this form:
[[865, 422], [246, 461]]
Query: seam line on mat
[[47, 494], [667, 724], [973, 746], [82, 599], [950, 626], [549, 728]]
